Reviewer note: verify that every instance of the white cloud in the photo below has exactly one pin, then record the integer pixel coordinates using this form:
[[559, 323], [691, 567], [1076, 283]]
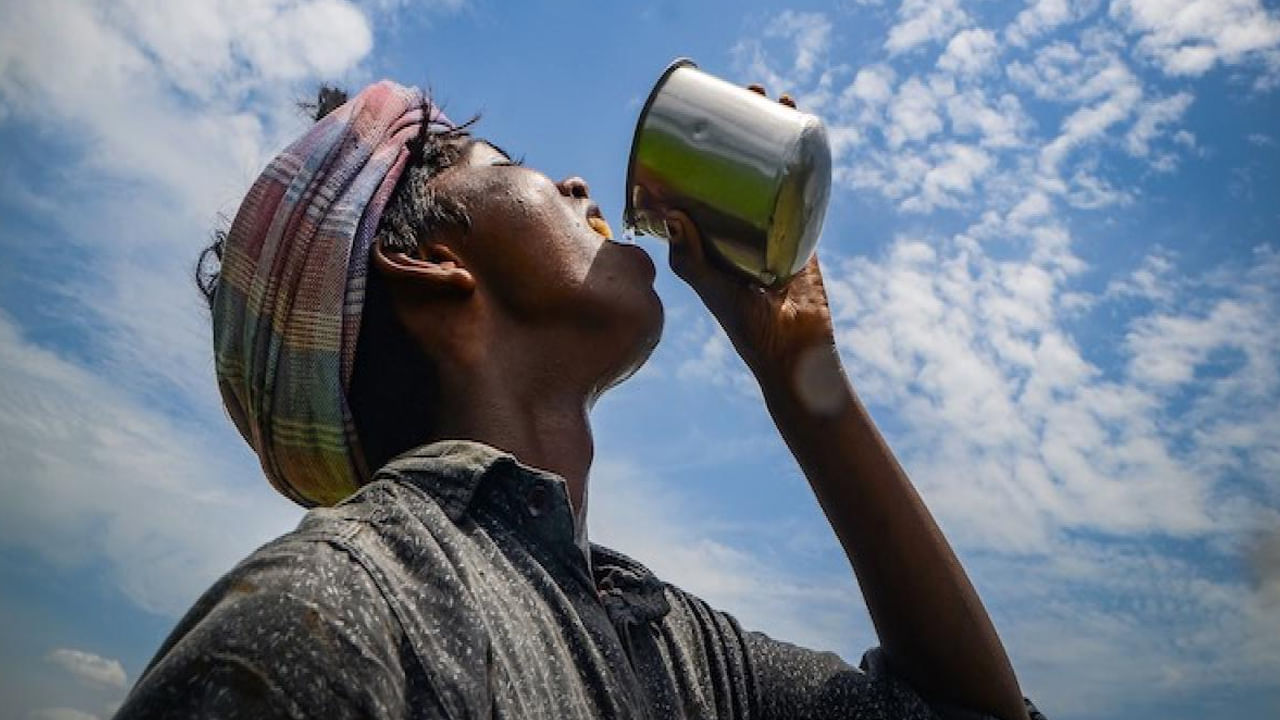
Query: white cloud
[[1182, 633], [94, 477], [713, 361], [806, 37], [1190, 37], [1088, 191], [1041, 16], [170, 84], [219, 40], [1170, 347], [89, 668], [1153, 118], [969, 52], [1061, 72], [179, 105], [913, 166], [1001, 124], [951, 179], [913, 114], [920, 116], [1119, 91], [811, 33], [922, 21], [893, 175], [972, 354], [861, 104], [872, 85], [441, 6], [843, 138]]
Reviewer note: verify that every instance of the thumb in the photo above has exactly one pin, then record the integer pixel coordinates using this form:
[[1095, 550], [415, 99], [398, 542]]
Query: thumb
[[687, 255], [691, 261]]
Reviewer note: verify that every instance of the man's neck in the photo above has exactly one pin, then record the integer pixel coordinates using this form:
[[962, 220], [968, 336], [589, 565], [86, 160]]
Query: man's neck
[[542, 421]]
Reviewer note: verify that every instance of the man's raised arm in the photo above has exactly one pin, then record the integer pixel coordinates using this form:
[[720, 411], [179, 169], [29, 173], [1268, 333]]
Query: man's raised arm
[[932, 625]]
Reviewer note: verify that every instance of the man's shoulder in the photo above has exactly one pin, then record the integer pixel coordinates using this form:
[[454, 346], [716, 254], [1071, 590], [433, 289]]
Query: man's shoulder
[[312, 565], [299, 613], [329, 561], [331, 546]]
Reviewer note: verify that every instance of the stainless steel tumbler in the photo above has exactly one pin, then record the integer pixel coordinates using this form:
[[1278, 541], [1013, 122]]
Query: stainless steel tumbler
[[753, 174]]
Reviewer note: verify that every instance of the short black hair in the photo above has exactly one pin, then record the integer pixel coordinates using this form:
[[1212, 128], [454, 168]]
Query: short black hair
[[394, 387]]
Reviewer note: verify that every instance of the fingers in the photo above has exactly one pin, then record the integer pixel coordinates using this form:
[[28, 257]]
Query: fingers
[[785, 98], [687, 255]]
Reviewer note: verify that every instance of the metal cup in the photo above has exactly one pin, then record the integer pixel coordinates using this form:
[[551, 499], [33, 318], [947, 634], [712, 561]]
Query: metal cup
[[753, 174]]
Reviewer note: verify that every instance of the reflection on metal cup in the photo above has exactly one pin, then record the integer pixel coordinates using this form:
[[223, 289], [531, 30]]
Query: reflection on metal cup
[[753, 174]]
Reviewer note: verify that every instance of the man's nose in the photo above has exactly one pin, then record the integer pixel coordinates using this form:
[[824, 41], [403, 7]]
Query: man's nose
[[574, 187]]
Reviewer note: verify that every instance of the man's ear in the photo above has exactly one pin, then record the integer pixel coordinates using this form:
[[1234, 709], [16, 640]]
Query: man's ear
[[435, 269]]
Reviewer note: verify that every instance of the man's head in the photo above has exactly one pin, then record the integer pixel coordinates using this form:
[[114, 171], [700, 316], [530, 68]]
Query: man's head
[[477, 261], [483, 261]]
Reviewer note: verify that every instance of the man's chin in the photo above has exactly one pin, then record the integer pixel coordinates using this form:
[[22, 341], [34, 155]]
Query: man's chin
[[656, 325], [644, 348]]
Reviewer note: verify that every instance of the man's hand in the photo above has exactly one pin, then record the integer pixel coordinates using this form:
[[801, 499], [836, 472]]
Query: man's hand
[[772, 329]]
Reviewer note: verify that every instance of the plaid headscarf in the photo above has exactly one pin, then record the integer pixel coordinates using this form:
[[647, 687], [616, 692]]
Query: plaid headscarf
[[287, 310]]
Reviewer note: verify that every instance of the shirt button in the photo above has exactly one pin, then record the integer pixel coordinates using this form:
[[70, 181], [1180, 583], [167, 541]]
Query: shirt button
[[536, 500]]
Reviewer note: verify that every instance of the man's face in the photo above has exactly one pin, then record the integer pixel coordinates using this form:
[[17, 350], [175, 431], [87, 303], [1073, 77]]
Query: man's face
[[532, 248]]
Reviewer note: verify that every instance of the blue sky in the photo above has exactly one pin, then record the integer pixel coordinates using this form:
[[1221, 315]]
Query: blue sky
[[1053, 254]]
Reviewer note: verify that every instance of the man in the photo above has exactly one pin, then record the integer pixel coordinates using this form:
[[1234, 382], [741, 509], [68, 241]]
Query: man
[[410, 331]]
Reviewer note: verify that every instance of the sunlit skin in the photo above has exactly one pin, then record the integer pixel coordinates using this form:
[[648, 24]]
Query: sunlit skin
[[531, 315]]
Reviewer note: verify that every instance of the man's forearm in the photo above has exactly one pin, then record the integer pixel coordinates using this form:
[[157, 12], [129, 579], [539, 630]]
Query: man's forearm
[[930, 621]]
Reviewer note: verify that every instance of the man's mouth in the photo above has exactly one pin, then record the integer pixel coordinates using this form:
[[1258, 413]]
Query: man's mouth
[[595, 219], [601, 227]]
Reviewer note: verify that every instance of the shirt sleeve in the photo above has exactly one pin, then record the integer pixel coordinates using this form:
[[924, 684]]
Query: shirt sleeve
[[795, 682], [298, 630], [745, 674]]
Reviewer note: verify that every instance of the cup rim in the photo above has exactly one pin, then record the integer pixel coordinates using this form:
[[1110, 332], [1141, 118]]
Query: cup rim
[[628, 208]]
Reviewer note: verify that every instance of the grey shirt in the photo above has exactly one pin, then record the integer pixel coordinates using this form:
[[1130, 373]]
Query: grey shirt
[[452, 587]]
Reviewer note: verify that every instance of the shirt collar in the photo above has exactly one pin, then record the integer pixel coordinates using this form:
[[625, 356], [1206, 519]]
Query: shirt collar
[[451, 472]]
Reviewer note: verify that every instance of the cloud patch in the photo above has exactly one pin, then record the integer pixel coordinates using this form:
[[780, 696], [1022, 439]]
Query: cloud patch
[[924, 21], [1190, 37], [158, 502], [171, 110], [88, 668], [1098, 441], [969, 52]]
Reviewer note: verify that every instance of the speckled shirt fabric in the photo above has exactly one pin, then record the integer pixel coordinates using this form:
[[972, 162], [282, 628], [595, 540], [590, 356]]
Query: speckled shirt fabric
[[452, 587]]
